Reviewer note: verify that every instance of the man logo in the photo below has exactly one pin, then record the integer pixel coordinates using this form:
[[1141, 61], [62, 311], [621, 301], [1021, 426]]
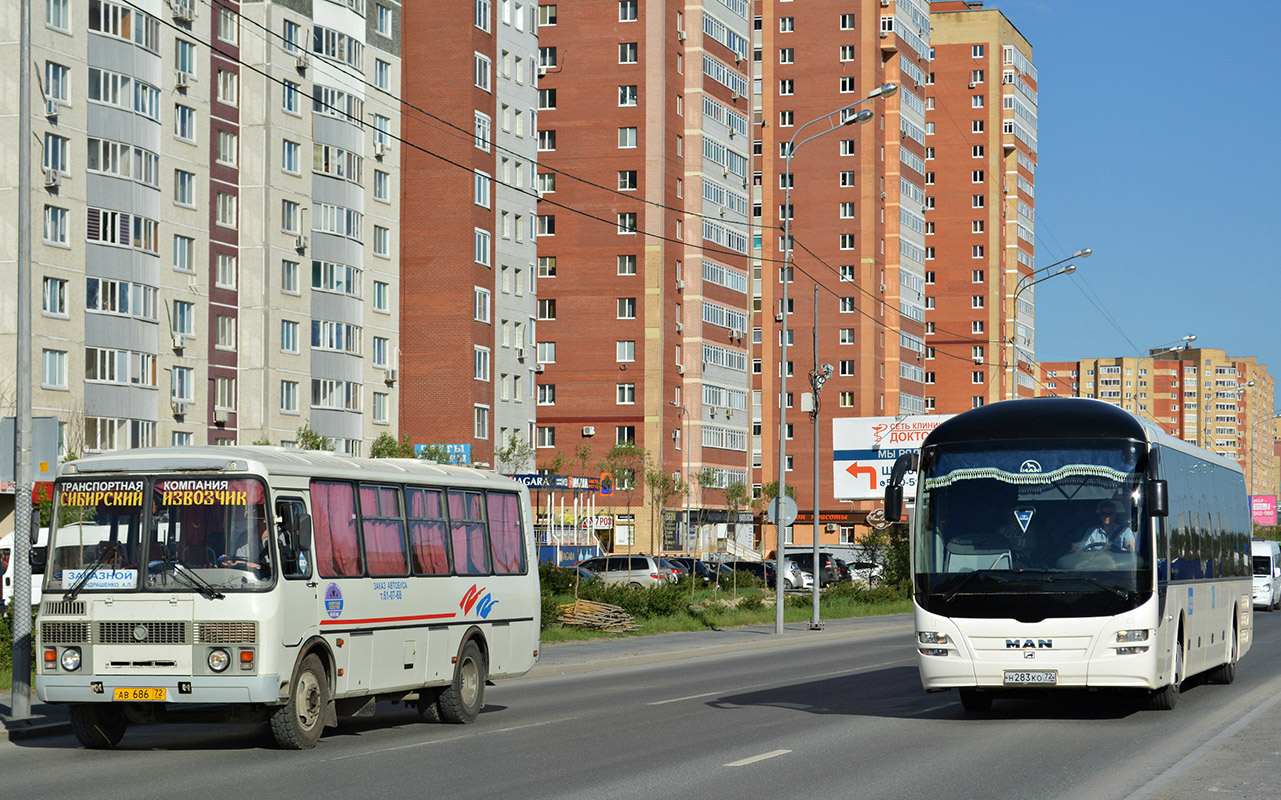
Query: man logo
[[1030, 466], [1038, 644]]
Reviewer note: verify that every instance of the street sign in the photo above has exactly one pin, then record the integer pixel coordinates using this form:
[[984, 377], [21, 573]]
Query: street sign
[[782, 511], [864, 450]]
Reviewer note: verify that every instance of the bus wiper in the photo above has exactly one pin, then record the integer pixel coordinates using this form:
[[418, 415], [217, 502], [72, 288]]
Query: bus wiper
[[195, 581], [1122, 594], [108, 548], [969, 576]]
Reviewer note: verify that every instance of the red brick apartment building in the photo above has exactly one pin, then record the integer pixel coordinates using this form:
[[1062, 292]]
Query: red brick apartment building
[[980, 179], [466, 364], [643, 127], [858, 222]]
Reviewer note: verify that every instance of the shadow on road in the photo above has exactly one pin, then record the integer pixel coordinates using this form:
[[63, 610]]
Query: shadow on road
[[896, 692]]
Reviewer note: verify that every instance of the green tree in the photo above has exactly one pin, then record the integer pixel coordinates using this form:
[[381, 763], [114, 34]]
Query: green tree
[[625, 461], [308, 439], [514, 456], [433, 452], [662, 487], [736, 499], [386, 446]]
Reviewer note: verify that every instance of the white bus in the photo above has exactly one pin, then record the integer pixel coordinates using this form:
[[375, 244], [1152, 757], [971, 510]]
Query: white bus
[[283, 585], [1067, 543]]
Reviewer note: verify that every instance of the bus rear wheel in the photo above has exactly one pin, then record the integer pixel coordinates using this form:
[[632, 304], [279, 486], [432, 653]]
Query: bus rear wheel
[[429, 704], [976, 701], [98, 726], [1226, 673], [297, 724], [462, 700]]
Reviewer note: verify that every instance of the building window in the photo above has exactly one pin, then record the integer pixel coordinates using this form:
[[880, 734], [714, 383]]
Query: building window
[[382, 296], [53, 372], [627, 265], [547, 308], [482, 299], [225, 332], [288, 336], [184, 123], [54, 301], [226, 209], [546, 394], [627, 96], [289, 277], [847, 22], [625, 394], [483, 126], [481, 425], [627, 222], [786, 55], [382, 74], [625, 350], [483, 69], [480, 363], [626, 308], [787, 86], [289, 97], [546, 436], [225, 271], [847, 52], [627, 10], [481, 246], [627, 53], [55, 225], [627, 137]]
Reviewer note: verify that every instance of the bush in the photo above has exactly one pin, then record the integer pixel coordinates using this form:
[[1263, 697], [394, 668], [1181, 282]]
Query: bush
[[657, 601], [551, 610], [883, 592], [752, 602], [6, 638], [556, 580]]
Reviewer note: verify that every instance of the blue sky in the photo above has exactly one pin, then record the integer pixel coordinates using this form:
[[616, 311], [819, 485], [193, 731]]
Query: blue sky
[[1156, 131]]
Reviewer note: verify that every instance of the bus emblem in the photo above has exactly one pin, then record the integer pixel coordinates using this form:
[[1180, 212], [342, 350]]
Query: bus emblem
[[1031, 465], [473, 598], [333, 601], [1023, 516]]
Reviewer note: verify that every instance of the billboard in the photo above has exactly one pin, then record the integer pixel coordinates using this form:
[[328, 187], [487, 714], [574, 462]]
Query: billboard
[[864, 450], [1263, 508]]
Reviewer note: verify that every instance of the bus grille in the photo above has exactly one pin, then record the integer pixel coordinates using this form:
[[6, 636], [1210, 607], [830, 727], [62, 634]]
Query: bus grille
[[64, 632], [73, 609], [155, 633], [225, 632]]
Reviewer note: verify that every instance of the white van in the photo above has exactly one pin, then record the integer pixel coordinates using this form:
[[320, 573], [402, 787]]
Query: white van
[[6, 561], [1267, 574]]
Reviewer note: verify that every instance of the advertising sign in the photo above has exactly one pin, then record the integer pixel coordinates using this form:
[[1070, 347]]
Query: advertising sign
[[454, 453], [1263, 508], [864, 450]]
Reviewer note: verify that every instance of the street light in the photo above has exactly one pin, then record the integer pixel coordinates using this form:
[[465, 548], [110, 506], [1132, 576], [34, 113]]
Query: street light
[[685, 446], [835, 121], [1184, 343], [1020, 287]]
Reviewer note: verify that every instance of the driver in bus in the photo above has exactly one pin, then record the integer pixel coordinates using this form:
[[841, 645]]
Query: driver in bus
[[245, 553], [1110, 533]]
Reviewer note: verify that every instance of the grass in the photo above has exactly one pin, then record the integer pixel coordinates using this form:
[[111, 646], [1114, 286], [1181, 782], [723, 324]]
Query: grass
[[707, 614]]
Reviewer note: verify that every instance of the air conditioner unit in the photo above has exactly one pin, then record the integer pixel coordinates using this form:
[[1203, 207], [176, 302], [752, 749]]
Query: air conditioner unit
[[389, 376], [729, 412], [712, 412], [539, 368], [971, 84], [882, 287], [884, 195], [182, 12], [52, 178], [676, 435], [978, 359], [680, 369], [380, 149], [589, 430], [542, 71], [179, 407], [735, 334], [681, 35], [724, 210], [885, 3], [885, 34], [52, 106], [300, 61], [181, 79], [300, 243], [680, 285], [520, 353], [178, 341], [220, 416], [831, 526], [680, 326]]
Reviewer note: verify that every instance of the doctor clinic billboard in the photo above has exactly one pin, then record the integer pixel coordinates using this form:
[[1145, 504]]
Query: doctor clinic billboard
[[864, 450], [1263, 508]]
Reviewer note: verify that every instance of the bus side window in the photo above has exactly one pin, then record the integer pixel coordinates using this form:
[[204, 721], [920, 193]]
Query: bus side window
[[295, 551]]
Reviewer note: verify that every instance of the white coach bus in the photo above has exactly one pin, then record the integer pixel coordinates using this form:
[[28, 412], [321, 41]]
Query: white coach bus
[[1067, 543], [285, 585]]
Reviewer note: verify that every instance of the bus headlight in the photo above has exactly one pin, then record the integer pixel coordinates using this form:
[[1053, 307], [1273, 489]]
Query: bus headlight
[[1130, 651], [219, 660], [71, 659], [1132, 636], [932, 637]]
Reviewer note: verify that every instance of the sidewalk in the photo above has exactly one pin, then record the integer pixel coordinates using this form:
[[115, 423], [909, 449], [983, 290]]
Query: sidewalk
[[45, 720]]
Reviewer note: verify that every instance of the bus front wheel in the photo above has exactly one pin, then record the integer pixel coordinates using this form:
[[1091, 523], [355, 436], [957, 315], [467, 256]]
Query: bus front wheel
[[462, 700], [98, 726], [297, 724], [976, 701], [1165, 698]]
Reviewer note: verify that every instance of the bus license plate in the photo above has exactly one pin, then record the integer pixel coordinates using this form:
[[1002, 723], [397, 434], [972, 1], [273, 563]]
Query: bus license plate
[[146, 695], [1031, 677]]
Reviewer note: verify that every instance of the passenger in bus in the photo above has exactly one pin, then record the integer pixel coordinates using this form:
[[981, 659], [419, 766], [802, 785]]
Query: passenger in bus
[[1110, 533]]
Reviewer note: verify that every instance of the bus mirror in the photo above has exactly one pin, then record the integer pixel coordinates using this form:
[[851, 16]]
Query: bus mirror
[[893, 503], [35, 529], [1158, 498], [303, 531], [37, 557]]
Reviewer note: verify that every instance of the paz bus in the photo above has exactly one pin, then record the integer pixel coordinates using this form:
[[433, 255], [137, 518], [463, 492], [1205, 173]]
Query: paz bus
[[281, 585], [1014, 588]]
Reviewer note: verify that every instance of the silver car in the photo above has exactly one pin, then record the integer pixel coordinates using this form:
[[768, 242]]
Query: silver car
[[637, 571]]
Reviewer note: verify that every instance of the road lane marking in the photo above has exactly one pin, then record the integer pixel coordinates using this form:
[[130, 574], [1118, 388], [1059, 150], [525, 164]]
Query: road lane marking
[[761, 757], [453, 739]]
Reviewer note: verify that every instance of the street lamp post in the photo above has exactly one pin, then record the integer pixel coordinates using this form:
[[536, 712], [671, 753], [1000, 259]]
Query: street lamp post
[[1022, 285], [1182, 344], [818, 377], [835, 121], [685, 446]]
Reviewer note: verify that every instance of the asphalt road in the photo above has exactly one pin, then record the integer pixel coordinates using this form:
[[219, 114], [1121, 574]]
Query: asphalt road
[[832, 714]]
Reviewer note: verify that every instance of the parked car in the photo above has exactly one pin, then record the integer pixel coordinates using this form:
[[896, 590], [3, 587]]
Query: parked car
[[585, 574], [671, 569], [827, 571], [637, 571], [693, 566], [843, 570], [761, 569], [793, 575]]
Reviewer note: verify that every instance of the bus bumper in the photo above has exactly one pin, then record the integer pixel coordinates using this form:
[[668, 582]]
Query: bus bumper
[[178, 689]]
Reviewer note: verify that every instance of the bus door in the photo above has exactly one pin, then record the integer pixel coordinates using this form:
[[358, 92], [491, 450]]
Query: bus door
[[299, 598]]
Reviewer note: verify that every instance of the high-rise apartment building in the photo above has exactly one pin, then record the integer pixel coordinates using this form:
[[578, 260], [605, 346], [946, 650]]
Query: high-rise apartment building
[[643, 139], [857, 211], [980, 178], [469, 190], [195, 163], [1204, 396]]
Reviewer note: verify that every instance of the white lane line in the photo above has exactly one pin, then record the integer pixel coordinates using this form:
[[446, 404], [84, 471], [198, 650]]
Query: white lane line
[[453, 739], [761, 757], [771, 683]]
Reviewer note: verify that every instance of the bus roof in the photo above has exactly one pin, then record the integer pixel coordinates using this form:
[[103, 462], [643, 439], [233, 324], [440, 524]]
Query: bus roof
[[1060, 418], [267, 460]]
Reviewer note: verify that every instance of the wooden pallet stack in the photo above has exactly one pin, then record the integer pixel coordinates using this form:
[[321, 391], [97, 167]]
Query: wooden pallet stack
[[597, 616]]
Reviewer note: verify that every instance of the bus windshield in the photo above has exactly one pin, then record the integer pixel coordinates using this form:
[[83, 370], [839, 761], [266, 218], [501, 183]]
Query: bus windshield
[[1033, 530], [202, 534]]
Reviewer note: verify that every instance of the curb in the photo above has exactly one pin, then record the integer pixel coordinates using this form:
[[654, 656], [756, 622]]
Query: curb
[[18, 730]]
